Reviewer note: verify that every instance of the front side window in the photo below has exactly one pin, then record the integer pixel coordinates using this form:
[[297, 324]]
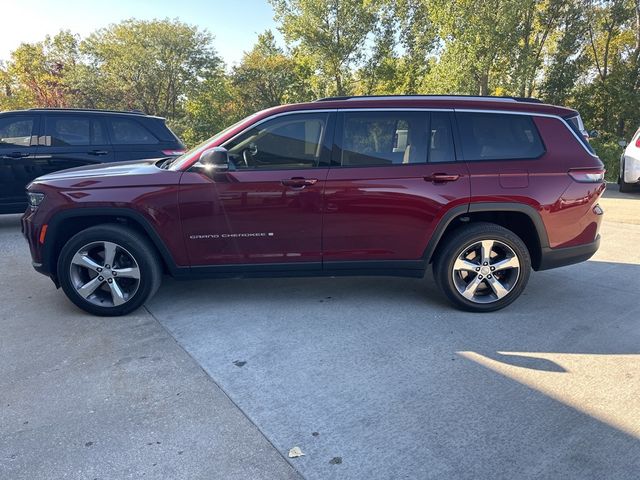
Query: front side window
[[286, 142], [125, 131], [16, 131], [383, 138], [497, 136]]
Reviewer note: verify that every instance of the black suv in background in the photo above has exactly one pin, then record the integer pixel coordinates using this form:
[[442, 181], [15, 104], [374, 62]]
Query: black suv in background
[[39, 141]]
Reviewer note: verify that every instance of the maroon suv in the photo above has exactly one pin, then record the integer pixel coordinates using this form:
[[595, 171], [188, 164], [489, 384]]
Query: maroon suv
[[482, 188]]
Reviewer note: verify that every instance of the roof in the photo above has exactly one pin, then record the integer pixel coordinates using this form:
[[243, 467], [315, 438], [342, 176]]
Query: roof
[[81, 110]]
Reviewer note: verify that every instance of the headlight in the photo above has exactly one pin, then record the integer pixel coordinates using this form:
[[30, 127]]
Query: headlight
[[35, 199]]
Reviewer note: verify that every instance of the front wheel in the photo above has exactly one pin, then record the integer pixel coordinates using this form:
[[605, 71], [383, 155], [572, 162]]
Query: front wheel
[[483, 267], [109, 270]]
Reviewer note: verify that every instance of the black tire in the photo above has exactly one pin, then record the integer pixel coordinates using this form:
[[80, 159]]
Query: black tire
[[461, 241], [131, 245], [624, 186]]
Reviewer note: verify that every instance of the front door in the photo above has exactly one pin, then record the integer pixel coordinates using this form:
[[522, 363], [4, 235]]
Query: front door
[[395, 175], [18, 147], [267, 209]]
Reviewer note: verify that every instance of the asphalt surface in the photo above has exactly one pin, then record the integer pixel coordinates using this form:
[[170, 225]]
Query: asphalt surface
[[372, 378]]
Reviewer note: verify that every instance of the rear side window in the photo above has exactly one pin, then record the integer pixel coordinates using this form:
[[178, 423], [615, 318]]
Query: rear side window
[[64, 131], [496, 136], [575, 123], [384, 138], [16, 131], [126, 131]]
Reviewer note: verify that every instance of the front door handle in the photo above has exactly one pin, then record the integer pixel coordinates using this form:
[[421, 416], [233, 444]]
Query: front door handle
[[98, 152], [299, 182], [442, 177]]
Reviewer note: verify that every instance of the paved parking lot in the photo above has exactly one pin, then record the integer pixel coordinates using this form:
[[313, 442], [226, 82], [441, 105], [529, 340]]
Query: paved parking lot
[[372, 378]]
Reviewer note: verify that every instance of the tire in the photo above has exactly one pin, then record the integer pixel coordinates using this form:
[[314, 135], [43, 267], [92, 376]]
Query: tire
[[100, 288], [471, 284], [624, 186]]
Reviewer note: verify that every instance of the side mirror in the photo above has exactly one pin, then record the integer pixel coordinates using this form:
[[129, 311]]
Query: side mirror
[[593, 134], [215, 159], [622, 143]]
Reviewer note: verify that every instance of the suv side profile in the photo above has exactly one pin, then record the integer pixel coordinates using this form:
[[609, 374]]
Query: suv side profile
[[39, 141], [483, 189]]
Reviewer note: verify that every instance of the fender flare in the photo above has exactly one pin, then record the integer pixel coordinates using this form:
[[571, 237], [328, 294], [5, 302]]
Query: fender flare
[[115, 212], [497, 207]]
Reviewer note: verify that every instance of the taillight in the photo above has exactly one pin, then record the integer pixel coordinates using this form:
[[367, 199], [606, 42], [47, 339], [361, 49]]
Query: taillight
[[173, 153], [638, 142], [587, 176]]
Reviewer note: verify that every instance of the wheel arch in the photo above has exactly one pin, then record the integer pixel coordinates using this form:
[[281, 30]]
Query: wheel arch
[[66, 224], [522, 219]]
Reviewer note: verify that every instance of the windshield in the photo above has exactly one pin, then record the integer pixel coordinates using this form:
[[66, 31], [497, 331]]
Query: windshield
[[182, 159]]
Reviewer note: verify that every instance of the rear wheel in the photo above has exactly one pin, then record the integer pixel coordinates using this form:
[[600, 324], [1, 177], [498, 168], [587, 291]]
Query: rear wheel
[[109, 270], [624, 186], [483, 267]]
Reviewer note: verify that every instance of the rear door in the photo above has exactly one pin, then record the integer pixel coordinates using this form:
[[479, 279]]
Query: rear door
[[18, 147], [72, 140], [394, 174], [132, 140]]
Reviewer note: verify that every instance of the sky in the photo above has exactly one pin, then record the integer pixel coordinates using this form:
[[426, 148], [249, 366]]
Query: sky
[[234, 23]]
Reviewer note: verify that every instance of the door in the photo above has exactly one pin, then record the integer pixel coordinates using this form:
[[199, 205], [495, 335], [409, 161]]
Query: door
[[70, 141], [18, 147], [395, 176], [267, 209]]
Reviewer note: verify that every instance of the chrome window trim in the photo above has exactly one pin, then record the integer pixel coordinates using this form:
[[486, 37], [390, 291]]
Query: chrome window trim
[[425, 109]]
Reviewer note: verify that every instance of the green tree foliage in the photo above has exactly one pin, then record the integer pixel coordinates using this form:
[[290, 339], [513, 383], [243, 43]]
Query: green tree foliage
[[580, 53], [332, 33]]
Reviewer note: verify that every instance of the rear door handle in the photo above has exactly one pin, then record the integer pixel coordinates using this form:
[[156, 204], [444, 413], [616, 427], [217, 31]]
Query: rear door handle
[[16, 155], [98, 152], [299, 182], [442, 177]]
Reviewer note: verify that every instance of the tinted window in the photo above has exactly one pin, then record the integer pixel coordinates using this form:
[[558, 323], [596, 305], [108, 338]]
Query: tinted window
[[129, 132], [494, 136], [63, 131], [16, 131], [290, 141], [441, 139], [384, 138]]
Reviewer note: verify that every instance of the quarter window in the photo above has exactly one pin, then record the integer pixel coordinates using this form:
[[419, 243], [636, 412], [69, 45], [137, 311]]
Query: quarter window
[[495, 136], [290, 141], [16, 131], [129, 132]]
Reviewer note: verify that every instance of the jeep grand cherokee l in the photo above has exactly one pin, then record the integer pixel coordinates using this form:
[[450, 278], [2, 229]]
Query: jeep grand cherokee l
[[39, 141], [483, 189]]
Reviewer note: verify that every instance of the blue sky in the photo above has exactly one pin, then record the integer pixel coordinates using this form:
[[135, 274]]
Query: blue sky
[[235, 24]]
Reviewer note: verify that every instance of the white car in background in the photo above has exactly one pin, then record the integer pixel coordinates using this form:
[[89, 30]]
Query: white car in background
[[630, 164]]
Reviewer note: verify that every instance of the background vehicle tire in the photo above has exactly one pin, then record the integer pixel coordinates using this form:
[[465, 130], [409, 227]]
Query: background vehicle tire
[[482, 267], [109, 270], [624, 186]]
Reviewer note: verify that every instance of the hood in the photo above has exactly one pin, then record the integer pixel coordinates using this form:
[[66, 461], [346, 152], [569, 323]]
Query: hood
[[107, 175]]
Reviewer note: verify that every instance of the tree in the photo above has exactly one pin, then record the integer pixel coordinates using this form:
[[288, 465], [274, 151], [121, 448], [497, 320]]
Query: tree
[[331, 33], [149, 65]]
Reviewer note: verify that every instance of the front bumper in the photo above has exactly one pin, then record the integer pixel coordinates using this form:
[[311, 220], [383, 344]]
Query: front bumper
[[560, 257]]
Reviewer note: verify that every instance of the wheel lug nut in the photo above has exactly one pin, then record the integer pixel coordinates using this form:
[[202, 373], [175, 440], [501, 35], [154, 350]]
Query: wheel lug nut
[[478, 269], [107, 266], [488, 276], [493, 268], [110, 280], [485, 263], [480, 277], [101, 278], [114, 274], [99, 269]]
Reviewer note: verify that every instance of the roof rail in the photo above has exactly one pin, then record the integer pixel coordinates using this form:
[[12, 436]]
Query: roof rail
[[102, 110], [486, 98]]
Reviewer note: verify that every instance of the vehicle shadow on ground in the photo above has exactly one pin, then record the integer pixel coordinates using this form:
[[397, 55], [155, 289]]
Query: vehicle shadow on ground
[[397, 383]]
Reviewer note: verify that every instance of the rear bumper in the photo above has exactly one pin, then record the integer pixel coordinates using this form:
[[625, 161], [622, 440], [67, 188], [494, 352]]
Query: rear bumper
[[559, 257]]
